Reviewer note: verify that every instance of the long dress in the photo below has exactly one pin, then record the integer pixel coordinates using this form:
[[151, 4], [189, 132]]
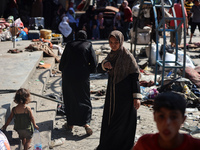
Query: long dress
[[118, 131], [120, 116], [77, 62]]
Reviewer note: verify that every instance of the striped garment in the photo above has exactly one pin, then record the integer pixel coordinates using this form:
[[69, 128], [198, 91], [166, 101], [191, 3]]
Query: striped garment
[[188, 6]]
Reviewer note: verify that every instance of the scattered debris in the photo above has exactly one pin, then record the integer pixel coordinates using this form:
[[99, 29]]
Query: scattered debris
[[103, 47], [148, 103], [192, 129], [143, 64], [60, 109], [44, 66], [56, 142], [14, 51], [98, 93], [39, 46]]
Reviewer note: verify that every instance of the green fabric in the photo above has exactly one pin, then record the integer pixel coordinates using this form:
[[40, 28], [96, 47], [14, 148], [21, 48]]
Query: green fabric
[[23, 122]]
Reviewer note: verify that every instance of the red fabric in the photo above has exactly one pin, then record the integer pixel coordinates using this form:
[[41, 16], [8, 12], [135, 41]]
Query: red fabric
[[150, 142], [178, 10], [128, 14], [81, 5]]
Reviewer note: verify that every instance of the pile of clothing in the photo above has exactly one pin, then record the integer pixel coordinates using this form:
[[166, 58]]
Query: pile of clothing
[[4, 30]]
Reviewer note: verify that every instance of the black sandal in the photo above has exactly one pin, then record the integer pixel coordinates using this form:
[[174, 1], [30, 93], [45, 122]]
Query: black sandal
[[68, 127]]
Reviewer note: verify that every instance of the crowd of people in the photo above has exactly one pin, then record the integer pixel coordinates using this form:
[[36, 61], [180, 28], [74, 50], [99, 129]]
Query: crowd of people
[[121, 103], [93, 21], [96, 25], [123, 89], [192, 19], [191, 10]]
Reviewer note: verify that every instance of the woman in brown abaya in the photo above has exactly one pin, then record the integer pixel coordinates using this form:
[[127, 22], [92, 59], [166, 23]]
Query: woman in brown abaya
[[122, 96]]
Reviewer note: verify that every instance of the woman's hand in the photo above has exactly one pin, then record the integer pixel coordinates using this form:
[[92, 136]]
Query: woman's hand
[[107, 65], [136, 103]]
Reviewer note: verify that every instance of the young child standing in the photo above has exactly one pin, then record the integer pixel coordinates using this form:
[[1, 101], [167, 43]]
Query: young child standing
[[169, 115], [23, 117]]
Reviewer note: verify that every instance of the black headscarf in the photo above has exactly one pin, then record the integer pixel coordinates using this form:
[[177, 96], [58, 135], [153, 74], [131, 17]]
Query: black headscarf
[[81, 35]]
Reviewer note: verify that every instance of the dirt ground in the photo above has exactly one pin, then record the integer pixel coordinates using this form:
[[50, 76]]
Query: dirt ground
[[77, 138]]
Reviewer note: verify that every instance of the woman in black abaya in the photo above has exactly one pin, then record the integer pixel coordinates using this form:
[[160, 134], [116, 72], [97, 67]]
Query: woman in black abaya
[[122, 96], [77, 62]]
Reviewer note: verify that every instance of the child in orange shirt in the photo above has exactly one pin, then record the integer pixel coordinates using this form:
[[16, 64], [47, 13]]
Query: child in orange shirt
[[169, 115], [23, 117]]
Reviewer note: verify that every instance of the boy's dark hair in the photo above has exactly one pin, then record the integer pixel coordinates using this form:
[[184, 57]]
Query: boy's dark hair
[[170, 100], [22, 96]]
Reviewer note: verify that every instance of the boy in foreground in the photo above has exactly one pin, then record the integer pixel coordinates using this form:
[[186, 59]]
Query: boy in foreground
[[169, 115]]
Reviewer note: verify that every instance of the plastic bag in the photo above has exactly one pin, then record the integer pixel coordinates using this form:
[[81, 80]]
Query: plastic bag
[[188, 62], [18, 23], [23, 35], [135, 10], [153, 53]]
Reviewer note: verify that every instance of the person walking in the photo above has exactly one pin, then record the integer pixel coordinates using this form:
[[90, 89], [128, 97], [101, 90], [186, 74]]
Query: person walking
[[122, 96], [94, 23], [196, 18], [101, 26], [65, 29], [188, 6], [72, 22], [77, 62], [118, 22], [128, 19], [179, 14], [23, 118], [84, 21]]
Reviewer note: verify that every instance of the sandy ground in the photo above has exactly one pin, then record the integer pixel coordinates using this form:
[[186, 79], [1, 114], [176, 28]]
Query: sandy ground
[[77, 138]]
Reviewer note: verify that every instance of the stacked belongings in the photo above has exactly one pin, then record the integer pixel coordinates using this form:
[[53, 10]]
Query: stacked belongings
[[40, 46], [4, 30]]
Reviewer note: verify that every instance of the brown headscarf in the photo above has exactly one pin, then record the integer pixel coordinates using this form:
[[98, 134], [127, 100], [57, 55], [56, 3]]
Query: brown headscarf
[[122, 60]]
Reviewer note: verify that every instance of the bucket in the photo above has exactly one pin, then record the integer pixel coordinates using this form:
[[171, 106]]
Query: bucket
[[46, 34]]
